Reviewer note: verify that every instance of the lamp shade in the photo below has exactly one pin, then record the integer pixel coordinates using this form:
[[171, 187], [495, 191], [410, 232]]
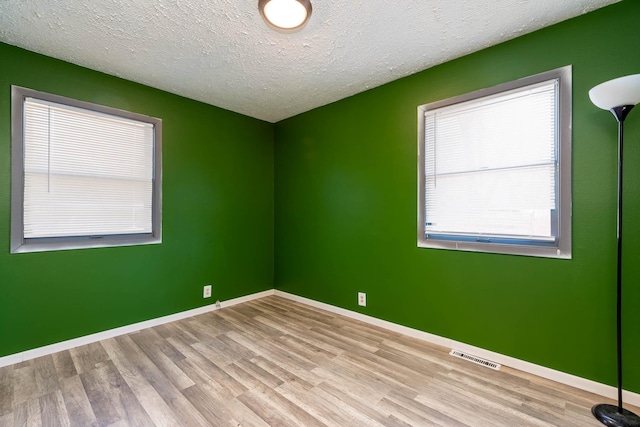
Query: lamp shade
[[617, 92]]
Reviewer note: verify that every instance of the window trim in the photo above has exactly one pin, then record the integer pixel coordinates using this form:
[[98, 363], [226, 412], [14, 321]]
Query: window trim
[[563, 247], [18, 242]]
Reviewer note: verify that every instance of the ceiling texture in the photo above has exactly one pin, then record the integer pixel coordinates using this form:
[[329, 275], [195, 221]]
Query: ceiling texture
[[222, 53]]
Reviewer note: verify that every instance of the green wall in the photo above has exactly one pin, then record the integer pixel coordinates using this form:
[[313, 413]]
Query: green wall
[[217, 217], [346, 211]]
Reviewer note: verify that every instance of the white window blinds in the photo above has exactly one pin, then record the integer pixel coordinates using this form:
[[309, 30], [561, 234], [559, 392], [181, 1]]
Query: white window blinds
[[491, 166], [85, 173]]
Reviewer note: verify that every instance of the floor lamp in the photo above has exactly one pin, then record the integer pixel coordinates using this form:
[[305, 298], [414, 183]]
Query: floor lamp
[[618, 96]]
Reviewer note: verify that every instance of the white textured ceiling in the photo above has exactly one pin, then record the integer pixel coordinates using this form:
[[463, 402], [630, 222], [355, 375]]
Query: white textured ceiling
[[222, 53]]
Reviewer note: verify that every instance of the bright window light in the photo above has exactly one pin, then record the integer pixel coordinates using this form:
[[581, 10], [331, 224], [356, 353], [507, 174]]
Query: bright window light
[[83, 175], [495, 169]]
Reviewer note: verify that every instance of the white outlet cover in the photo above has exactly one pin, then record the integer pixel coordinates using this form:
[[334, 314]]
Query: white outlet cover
[[362, 299], [206, 293]]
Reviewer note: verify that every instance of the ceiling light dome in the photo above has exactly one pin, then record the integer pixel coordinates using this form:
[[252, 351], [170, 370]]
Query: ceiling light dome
[[285, 15]]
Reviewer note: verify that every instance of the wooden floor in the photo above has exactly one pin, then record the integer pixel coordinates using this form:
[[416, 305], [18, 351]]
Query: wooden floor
[[273, 362]]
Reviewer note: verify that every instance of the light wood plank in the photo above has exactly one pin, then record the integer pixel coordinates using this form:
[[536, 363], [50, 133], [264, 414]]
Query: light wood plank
[[25, 387], [52, 410], [87, 357], [6, 419], [77, 403], [64, 364], [278, 362], [6, 390], [27, 413], [46, 375], [207, 404], [273, 410], [111, 398], [131, 366]]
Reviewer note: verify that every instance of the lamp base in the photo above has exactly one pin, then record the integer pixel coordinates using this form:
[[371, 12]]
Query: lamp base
[[610, 416]]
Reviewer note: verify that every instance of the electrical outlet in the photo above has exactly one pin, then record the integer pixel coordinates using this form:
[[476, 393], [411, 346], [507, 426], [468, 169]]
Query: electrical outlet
[[207, 291], [362, 299]]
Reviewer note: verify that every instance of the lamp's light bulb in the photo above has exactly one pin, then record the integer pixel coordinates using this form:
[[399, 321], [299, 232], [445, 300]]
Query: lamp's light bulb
[[285, 14]]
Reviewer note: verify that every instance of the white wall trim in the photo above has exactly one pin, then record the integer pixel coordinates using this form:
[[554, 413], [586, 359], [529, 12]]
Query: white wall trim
[[88, 339], [531, 368]]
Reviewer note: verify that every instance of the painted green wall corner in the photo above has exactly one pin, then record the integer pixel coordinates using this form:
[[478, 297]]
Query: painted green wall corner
[[217, 217], [345, 213], [345, 200]]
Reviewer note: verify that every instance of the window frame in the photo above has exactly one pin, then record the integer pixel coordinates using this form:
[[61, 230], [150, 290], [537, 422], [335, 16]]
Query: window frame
[[562, 246], [20, 244]]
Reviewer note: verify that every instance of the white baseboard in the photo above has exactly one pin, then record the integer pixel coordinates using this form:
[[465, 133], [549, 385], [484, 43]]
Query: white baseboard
[[531, 368], [541, 371], [88, 339]]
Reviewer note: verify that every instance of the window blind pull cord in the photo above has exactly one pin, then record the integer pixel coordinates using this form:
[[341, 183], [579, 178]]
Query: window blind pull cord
[[49, 150]]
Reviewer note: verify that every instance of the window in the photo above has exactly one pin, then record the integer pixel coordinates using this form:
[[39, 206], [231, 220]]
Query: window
[[83, 175], [495, 169]]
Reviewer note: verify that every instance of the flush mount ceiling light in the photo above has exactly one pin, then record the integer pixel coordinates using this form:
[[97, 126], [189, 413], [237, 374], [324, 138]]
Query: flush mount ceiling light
[[285, 15]]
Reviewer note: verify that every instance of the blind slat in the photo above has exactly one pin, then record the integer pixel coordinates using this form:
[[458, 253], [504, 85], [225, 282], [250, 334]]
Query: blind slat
[[86, 173], [491, 166]]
